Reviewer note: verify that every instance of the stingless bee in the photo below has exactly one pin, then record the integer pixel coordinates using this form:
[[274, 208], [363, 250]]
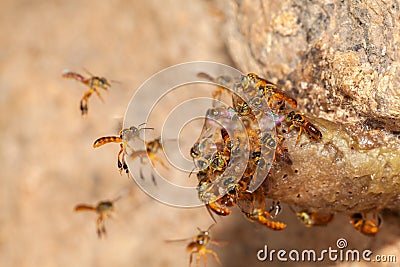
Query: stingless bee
[[297, 120], [364, 226], [314, 218], [152, 147], [124, 137], [199, 245], [276, 99], [261, 216], [223, 81], [93, 82], [104, 210]]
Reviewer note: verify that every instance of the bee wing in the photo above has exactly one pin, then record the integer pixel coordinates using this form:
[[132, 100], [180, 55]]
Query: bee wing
[[138, 153], [125, 192], [177, 240], [115, 81], [88, 72], [219, 243]]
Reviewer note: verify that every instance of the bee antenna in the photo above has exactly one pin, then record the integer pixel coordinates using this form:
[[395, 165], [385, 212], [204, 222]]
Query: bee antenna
[[192, 171], [205, 76], [209, 212], [212, 225], [139, 127]]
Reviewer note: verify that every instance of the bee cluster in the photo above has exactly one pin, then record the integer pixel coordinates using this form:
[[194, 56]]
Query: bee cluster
[[240, 143], [234, 154]]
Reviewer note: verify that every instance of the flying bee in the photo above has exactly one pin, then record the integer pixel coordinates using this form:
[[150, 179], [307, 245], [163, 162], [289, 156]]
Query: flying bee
[[364, 226], [93, 82], [199, 245], [261, 216], [299, 121], [222, 81], [124, 137], [314, 218], [104, 210], [152, 147]]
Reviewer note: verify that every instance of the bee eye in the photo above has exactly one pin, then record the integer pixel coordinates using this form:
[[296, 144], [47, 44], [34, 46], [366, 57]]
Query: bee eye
[[298, 117], [232, 191], [271, 143]]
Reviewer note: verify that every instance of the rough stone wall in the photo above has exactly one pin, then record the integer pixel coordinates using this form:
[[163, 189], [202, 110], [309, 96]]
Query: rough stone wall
[[341, 61]]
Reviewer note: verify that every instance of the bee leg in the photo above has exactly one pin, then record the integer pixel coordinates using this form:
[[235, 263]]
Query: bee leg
[[122, 166], [205, 257], [160, 161], [197, 259], [153, 178], [191, 258], [141, 174], [127, 170], [84, 101], [98, 93], [120, 160], [99, 226], [215, 256], [209, 212], [299, 135]]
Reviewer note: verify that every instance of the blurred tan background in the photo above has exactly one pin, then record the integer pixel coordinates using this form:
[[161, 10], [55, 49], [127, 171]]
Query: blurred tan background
[[47, 161]]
